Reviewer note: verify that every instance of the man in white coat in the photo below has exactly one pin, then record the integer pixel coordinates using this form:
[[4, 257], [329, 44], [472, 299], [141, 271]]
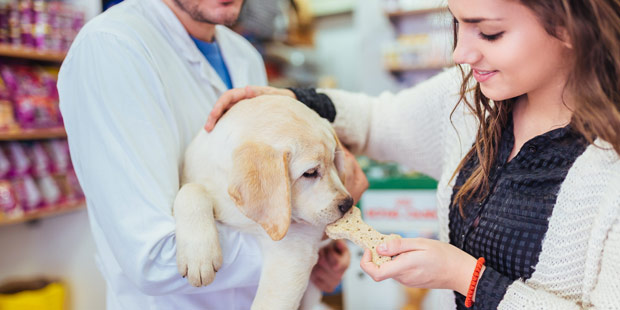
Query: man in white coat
[[135, 87]]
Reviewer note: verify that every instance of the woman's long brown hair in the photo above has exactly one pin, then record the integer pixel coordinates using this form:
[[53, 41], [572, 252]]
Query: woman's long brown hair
[[592, 27]]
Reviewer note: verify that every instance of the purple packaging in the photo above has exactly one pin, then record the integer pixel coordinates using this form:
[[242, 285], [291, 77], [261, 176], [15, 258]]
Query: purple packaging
[[49, 189], [26, 21], [41, 28], [54, 21], [20, 163], [27, 192], [58, 151], [4, 23], [41, 162], [15, 30], [8, 201], [5, 165], [10, 81]]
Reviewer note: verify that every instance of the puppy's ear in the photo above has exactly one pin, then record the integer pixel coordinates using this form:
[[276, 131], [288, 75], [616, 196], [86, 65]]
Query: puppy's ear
[[339, 161], [261, 188]]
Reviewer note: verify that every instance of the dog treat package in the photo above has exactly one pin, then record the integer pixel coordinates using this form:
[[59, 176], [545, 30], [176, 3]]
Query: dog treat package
[[8, 201], [33, 94], [352, 227], [58, 151], [5, 164], [20, 162], [49, 189], [27, 193], [41, 162]]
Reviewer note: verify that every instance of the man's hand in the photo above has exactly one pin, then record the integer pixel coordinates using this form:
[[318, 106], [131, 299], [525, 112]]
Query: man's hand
[[232, 96], [333, 261], [356, 182]]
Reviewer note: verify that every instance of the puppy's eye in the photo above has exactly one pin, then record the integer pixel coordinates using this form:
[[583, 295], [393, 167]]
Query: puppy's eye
[[313, 173]]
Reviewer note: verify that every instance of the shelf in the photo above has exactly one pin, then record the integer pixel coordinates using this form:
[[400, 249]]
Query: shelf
[[403, 69], [30, 53], [402, 182], [47, 212], [33, 134], [396, 14]]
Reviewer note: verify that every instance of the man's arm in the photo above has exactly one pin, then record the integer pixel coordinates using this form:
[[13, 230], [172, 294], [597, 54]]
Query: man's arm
[[126, 151]]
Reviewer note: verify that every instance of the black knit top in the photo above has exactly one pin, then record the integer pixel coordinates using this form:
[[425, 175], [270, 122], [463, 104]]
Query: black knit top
[[507, 227]]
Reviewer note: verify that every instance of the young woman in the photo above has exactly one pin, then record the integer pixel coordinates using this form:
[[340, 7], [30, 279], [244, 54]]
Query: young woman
[[524, 138]]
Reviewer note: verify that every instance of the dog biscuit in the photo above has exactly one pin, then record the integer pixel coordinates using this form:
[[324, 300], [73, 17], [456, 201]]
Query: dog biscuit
[[352, 227]]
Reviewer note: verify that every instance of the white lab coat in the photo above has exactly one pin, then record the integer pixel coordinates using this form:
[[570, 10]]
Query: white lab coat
[[134, 90]]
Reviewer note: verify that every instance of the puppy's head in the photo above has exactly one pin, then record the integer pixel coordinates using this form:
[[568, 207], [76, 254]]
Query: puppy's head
[[289, 167]]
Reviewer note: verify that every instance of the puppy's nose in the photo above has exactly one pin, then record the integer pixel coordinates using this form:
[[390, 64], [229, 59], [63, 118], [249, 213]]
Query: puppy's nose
[[345, 205]]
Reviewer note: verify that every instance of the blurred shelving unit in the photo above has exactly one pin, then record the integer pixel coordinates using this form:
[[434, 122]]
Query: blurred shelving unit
[[402, 69], [44, 232], [422, 44], [33, 134], [48, 211], [30, 54], [405, 13]]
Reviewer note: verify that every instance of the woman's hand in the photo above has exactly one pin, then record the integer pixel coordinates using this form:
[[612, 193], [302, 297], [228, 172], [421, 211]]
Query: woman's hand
[[423, 263], [232, 96], [355, 182], [334, 259]]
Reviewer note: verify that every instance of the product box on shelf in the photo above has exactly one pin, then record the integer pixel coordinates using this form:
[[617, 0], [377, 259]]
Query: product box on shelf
[[35, 176], [396, 202], [39, 24], [28, 98]]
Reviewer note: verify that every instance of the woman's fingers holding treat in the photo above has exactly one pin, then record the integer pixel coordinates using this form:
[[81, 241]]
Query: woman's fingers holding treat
[[232, 96], [397, 246], [376, 272], [405, 265], [424, 263]]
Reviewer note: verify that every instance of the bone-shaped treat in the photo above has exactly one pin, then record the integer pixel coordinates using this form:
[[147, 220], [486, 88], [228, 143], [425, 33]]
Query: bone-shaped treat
[[352, 227]]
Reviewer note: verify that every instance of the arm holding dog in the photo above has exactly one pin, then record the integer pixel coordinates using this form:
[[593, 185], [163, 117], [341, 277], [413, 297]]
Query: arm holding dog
[[334, 259]]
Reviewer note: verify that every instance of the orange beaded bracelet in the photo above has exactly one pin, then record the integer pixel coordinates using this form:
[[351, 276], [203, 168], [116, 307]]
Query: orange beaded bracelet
[[474, 281]]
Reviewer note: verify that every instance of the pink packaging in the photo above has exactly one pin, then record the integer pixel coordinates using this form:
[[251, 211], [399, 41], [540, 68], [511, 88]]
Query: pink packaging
[[5, 165], [34, 95], [20, 163], [8, 201], [49, 189], [41, 162], [73, 182], [15, 30], [26, 21], [58, 151], [34, 111], [4, 22], [27, 193]]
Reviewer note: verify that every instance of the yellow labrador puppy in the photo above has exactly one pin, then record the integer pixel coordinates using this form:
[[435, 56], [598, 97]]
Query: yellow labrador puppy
[[271, 167]]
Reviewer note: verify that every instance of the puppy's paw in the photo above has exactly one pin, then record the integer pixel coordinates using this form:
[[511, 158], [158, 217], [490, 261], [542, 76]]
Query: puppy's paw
[[198, 258]]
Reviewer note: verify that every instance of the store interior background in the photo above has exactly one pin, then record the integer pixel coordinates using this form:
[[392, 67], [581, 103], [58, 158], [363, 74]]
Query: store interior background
[[366, 46]]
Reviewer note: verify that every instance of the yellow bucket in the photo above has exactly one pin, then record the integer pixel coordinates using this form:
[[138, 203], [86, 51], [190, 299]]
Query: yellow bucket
[[50, 297]]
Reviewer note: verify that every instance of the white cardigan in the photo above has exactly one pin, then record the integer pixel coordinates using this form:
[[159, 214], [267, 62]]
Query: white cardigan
[[579, 266]]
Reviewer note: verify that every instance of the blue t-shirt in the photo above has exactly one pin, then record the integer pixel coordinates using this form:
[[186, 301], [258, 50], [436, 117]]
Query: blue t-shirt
[[214, 56]]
